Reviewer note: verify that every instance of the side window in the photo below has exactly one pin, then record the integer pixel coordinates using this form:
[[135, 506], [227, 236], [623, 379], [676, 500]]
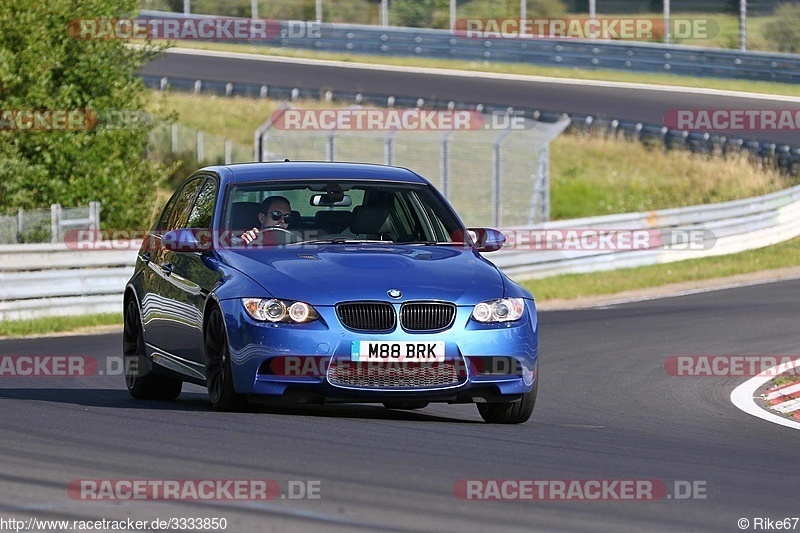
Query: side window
[[162, 221], [403, 217], [179, 214], [203, 209]]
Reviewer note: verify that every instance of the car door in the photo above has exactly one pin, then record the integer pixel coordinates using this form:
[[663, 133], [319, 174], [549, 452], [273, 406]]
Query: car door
[[162, 308], [190, 277]]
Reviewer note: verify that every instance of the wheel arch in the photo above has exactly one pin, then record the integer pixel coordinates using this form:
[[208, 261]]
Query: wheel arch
[[212, 302]]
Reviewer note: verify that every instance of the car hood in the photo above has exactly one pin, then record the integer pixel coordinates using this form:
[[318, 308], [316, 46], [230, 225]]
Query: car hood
[[332, 273]]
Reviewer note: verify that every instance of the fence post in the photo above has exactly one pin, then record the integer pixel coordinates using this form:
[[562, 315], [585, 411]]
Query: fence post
[[20, 214], [227, 151], [444, 165], [388, 149], [496, 178], [259, 146], [55, 223], [496, 184], [540, 198], [94, 216], [330, 147], [200, 154], [174, 137]]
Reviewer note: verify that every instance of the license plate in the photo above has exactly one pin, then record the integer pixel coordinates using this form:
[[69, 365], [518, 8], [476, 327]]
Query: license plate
[[400, 351]]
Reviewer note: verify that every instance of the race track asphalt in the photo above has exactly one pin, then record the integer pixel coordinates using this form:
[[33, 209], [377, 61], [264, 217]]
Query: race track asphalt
[[607, 410]]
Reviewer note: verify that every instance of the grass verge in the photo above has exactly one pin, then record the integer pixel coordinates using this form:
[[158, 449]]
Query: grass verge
[[784, 379], [38, 326], [590, 175], [571, 286]]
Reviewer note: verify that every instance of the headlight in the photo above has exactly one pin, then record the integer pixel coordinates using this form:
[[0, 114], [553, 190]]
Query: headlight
[[503, 310], [273, 310]]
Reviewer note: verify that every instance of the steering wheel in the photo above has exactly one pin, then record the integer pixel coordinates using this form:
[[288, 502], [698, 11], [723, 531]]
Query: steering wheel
[[290, 236]]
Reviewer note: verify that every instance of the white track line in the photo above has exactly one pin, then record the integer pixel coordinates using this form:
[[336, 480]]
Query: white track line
[[742, 397], [483, 75]]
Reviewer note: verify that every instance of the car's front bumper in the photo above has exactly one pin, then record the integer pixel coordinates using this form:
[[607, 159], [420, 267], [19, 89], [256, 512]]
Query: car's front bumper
[[492, 362]]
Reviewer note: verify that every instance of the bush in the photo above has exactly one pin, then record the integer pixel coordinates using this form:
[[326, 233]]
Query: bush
[[546, 8], [783, 33], [419, 13]]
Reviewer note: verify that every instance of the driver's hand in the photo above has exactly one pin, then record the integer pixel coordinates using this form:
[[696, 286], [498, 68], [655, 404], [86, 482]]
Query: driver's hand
[[249, 235]]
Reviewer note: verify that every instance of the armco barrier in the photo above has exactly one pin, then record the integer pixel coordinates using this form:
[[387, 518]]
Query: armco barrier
[[51, 279], [736, 226], [586, 54]]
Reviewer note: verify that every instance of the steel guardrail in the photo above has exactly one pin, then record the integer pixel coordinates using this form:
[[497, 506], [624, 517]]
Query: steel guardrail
[[53, 279], [577, 53]]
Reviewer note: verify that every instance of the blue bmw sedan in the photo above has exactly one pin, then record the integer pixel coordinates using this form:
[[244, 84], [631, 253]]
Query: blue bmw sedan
[[300, 282]]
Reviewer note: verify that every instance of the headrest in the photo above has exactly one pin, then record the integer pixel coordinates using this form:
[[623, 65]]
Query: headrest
[[333, 221], [370, 220], [244, 215]]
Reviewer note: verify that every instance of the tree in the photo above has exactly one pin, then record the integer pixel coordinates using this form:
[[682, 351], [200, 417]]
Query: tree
[[46, 71]]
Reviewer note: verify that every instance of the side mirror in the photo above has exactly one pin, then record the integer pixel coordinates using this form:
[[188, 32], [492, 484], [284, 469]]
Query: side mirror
[[487, 239], [187, 240]]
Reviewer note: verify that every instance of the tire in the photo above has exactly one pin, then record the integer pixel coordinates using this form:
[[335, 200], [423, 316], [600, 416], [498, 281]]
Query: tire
[[405, 406], [515, 412], [142, 383], [219, 378]]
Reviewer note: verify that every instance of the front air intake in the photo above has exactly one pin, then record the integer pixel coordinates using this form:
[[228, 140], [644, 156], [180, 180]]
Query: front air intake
[[367, 316]]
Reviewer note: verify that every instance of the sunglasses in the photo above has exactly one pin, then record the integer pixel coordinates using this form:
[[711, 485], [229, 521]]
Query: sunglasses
[[277, 215]]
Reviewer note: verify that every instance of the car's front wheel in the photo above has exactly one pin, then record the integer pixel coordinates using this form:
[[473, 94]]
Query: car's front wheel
[[142, 383], [219, 378], [515, 412]]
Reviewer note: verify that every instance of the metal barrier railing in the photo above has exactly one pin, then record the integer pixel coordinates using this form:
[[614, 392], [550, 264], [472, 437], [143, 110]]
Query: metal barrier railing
[[53, 279], [721, 228], [586, 54], [48, 225]]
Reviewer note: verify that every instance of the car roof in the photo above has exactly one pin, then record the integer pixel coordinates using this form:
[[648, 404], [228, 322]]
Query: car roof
[[289, 170]]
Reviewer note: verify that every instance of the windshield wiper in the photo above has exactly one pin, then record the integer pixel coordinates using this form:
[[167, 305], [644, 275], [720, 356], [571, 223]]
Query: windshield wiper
[[343, 240], [435, 243]]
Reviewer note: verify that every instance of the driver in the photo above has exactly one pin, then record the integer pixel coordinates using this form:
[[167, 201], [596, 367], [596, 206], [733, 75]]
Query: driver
[[274, 213]]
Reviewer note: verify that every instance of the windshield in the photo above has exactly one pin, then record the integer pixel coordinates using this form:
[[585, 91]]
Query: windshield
[[343, 211]]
